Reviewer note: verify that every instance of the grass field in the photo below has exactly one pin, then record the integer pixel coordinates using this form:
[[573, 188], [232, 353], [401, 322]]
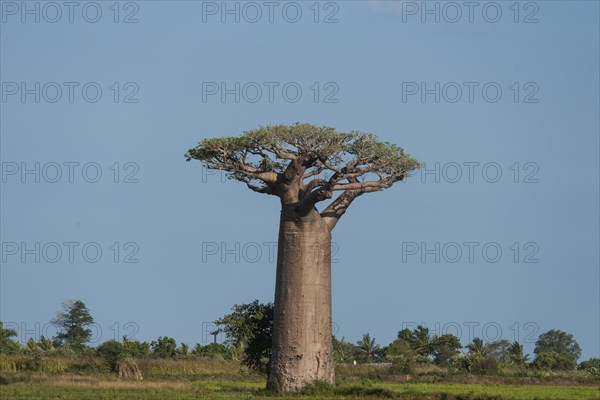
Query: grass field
[[211, 379], [68, 388]]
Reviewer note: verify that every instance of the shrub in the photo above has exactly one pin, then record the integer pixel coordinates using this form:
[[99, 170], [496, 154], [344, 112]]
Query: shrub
[[111, 352], [486, 366], [404, 364], [591, 363], [164, 347], [551, 360]]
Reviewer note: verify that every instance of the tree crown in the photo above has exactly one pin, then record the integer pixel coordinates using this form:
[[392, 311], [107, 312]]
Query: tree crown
[[304, 164]]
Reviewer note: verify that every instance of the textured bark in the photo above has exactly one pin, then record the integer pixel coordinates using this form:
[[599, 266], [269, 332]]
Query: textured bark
[[302, 342]]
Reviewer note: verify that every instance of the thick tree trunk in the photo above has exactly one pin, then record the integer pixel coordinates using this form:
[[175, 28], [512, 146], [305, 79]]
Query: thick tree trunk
[[302, 345]]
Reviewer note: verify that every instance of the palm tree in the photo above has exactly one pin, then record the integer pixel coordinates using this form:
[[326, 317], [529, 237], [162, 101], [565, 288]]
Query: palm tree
[[422, 341], [368, 346], [479, 349], [32, 346], [7, 345], [517, 355], [46, 344]]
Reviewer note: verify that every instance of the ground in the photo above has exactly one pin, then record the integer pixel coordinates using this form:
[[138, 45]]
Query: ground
[[212, 379]]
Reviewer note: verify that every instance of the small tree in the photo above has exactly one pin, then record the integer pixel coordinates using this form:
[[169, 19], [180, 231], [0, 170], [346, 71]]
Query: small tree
[[591, 363], [249, 329], [402, 356], [73, 322], [484, 358], [7, 344], [164, 347], [135, 348], [418, 339], [344, 351], [32, 346], [444, 348], [111, 352], [368, 347], [561, 343], [516, 355], [183, 350], [46, 344]]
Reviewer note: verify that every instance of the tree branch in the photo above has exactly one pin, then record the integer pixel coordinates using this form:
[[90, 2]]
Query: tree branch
[[244, 169], [371, 186], [263, 190]]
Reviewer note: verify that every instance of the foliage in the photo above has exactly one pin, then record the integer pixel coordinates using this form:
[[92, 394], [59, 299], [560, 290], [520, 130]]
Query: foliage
[[591, 363], [73, 321], [417, 345], [7, 344], [465, 362], [418, 339], [111, 352], [183, 350], [45, 344], [444, 348], [213, 350], [249, 329], [164, 347], [309, 162], [484, 358], [369, 348], [403, 357], [135, 348], [562, 343], [343, 351], [516, 355], [553, 360]]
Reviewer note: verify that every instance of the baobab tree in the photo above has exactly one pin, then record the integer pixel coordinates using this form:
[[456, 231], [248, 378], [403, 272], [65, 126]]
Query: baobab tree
[[304, 165]]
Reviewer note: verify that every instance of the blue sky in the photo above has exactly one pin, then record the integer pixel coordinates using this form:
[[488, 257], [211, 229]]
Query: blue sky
[[202, 244]]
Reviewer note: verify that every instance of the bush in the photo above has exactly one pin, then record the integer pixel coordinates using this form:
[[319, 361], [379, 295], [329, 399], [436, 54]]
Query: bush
[[216, 351], [551, 360], [464, 362], [88, 365], [591, 363], [34, 361], [164, 347], [135, 348], [404, 364], [111, 352], [486, 366]]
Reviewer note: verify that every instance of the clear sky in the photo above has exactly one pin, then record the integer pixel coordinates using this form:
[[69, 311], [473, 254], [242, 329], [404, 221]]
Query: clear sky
[[499, 238]]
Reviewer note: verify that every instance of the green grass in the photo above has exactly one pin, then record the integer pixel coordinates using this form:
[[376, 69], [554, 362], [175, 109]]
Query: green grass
[[521, 392], [69, 378], [79, 387]]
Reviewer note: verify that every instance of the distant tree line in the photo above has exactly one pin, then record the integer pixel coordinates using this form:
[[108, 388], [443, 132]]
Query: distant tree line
[[554, 350], [248, 329]]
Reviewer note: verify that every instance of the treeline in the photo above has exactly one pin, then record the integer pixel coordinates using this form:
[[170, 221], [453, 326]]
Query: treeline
[[249, 328], [554, 350], [74, 334]]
